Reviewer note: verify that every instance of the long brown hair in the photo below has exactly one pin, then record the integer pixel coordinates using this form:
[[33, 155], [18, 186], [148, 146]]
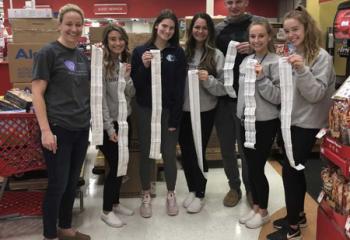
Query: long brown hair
[[207, 60], [108, 60], [165, 14], [313, 36]]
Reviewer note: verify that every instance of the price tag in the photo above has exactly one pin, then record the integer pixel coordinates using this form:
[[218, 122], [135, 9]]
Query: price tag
[[347, 224], [320, 196], [321, 133]]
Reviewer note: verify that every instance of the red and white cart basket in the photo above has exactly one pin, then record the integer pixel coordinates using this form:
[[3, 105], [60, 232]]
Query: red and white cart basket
[[20, 151]]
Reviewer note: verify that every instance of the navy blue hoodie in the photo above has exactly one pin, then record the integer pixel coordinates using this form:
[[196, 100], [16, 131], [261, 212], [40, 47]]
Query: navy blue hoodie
[[173, 71]]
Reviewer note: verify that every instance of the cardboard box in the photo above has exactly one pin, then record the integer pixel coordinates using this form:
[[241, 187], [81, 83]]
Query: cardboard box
[[39, 30], [95, 34], [29, 13], [20, 58], [22, 86]]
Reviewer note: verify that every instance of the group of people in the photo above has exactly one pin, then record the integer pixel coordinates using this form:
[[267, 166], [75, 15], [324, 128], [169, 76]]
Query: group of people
[[61, 98]]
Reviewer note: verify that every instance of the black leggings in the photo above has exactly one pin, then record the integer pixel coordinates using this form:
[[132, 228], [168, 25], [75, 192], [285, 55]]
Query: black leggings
[[112, 183], [256, 160], [293, 180], [196, 182]]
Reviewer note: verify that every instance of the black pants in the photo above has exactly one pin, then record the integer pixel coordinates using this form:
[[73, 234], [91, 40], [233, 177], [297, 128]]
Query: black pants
[[63, 170], [112, 183], [256, 159], [293, 180], [196, 182]]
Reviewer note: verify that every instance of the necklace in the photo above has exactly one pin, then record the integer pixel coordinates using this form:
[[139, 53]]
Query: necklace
[[262, 59]]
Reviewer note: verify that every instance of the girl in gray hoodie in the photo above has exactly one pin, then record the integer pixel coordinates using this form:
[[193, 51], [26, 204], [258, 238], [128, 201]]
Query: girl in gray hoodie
[[313, 85], [201, 54], [115, 41], [267, 98]]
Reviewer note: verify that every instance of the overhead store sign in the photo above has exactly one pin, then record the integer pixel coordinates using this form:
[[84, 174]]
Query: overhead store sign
[[111, 9]]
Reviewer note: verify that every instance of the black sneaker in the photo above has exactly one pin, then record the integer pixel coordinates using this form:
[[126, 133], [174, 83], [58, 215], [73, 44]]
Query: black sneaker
[[283, 222], [285, 234]]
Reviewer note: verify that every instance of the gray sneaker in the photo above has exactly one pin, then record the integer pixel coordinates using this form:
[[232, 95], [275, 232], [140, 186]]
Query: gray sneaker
[[146, 206], [171, 205]]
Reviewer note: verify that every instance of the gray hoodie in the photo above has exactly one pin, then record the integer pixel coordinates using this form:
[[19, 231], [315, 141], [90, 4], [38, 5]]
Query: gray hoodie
[[313, 89], [267, 90], [110, 100], [208, 90]]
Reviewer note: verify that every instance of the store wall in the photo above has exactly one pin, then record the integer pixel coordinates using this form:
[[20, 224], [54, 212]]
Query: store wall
[[266, 8], [151, 8], [148, 8], [324, 11]]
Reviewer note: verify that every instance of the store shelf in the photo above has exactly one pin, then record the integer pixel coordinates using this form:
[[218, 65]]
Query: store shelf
[[337, 153]]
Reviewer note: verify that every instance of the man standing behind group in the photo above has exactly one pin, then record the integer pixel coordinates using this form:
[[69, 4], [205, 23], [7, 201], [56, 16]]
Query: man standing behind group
[[234, 27]]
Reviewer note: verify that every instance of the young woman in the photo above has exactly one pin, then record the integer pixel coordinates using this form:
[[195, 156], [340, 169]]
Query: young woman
[[61, 98], [165, 37], [115, 42], [201, 54], [267, 98], [313, 81]]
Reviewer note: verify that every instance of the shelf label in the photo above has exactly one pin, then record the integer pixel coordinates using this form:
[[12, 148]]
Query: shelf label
[[320, 196]]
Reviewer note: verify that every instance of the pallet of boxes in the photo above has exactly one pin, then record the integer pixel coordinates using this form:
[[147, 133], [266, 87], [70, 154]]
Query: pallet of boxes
[[131, 186], [333, 216], [29, 35]]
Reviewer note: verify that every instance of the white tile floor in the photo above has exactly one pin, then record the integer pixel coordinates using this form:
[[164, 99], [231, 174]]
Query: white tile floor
[[214, 222]]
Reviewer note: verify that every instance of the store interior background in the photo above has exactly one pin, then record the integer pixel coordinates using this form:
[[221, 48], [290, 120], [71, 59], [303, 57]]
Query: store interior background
[[139, 19]]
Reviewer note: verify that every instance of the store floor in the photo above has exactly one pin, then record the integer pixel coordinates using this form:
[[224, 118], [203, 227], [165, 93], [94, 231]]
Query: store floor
[[214, 222]]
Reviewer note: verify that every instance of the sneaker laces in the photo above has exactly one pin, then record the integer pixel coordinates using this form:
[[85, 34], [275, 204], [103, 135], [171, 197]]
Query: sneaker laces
[[146, 199]]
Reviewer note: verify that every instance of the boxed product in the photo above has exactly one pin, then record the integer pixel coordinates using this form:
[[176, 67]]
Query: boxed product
[[20, 58], [29, 13], [20, 98], [36, 30], [339, 114]]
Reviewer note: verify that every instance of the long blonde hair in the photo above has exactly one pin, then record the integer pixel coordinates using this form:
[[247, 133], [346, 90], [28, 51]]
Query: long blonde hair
[[313, 36]]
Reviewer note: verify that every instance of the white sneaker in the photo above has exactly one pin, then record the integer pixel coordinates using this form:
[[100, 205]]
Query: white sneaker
[[120, 209], [188, 200], [247, 217], [257, 221], [112, 220], [196, 205]]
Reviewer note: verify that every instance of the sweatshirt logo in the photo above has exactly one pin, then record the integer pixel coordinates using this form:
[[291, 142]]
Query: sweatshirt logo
[[70, 65], [171, 58]]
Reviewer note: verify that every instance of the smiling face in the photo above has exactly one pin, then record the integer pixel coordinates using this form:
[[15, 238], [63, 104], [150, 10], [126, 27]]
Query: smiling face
[[70, 28], [236, 8], [200, 31], [165, 30], [295, 32], [116, 43], [259, 39]]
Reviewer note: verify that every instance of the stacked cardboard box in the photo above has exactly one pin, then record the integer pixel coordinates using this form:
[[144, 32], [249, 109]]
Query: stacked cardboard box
[[29, 35]]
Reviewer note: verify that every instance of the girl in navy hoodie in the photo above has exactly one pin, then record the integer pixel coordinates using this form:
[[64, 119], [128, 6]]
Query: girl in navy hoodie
[[165, 37]]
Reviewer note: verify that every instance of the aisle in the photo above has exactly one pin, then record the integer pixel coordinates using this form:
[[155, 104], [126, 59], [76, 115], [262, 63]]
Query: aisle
[[214, 222]]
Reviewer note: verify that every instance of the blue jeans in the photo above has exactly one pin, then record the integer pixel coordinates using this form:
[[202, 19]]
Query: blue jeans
[[63, 170]]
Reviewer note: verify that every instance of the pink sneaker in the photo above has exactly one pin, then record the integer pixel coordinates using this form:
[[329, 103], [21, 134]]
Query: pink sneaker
[[146, 206], [171, 205]]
